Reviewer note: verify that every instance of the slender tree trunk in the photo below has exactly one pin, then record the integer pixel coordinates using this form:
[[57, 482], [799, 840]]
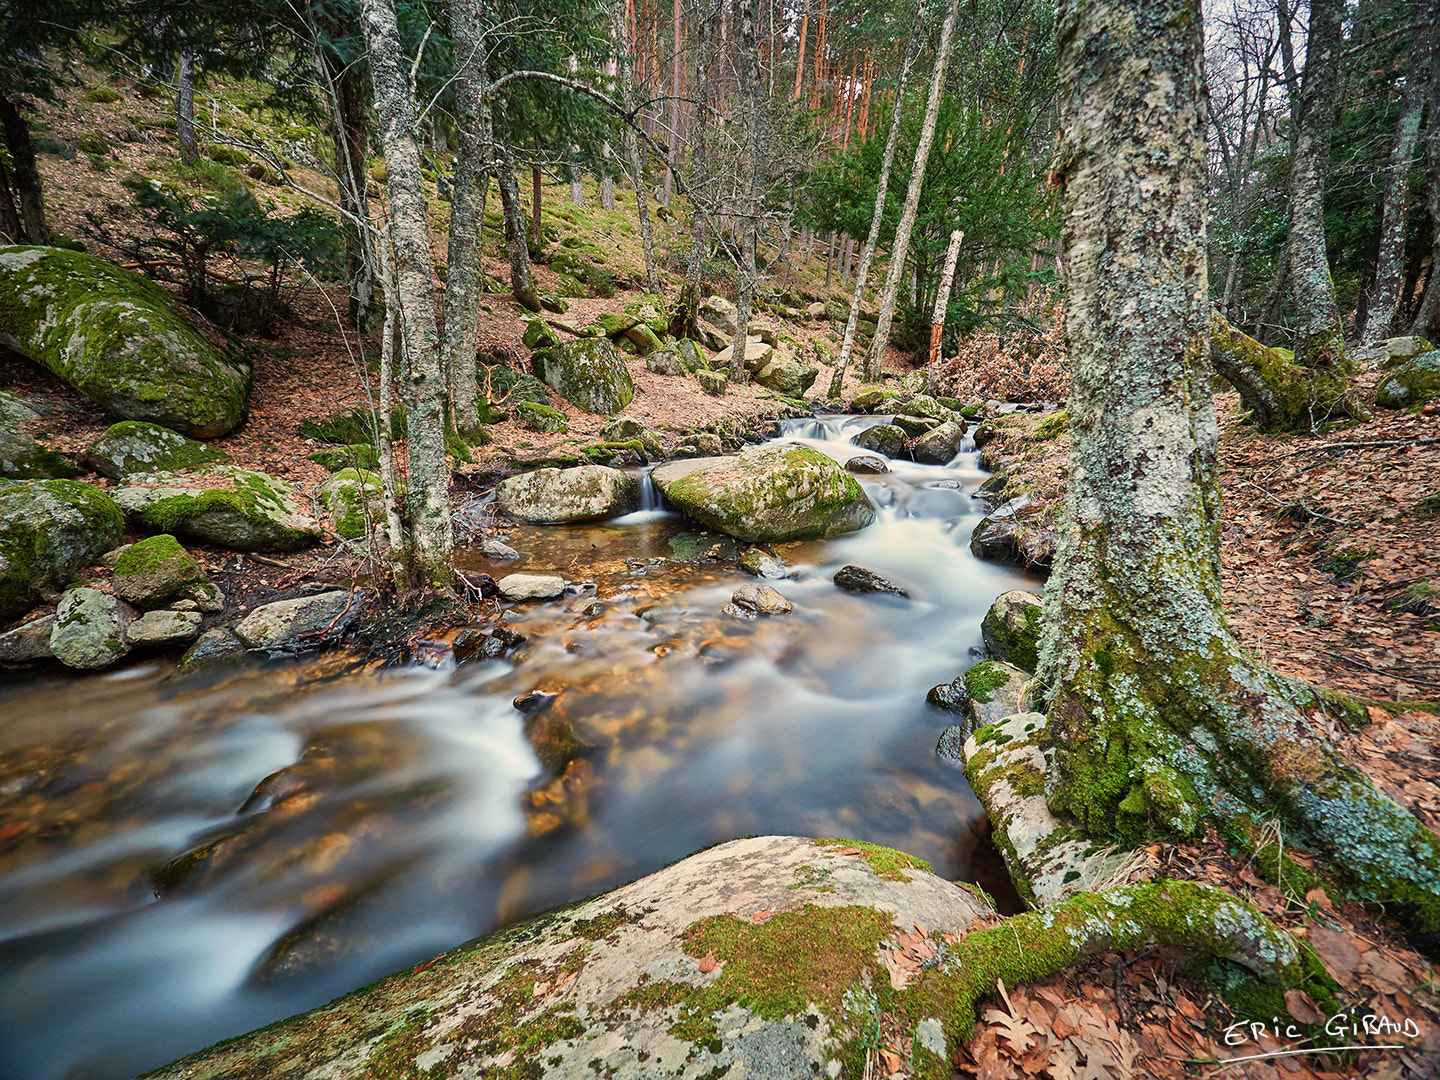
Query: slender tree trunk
[[431, 533], [1427, 317], [1384, 298], [900, 248], [800, 50], [24, 173], [537, 195], [185, 109], [340, 85], [522, 280], [942, 295], [1158, 718], [673, 155], [11, 231], [749, 183]]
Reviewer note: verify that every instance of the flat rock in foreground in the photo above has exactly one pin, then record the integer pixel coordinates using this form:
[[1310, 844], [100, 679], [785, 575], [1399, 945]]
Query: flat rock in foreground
[[761, 957], [768, 494]]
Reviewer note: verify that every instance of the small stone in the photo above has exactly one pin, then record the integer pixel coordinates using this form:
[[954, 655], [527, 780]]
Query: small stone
[[761, 564], [492, 643], [531, 586], [866, 464], [500, 552], [858, 579], [163, 628], [28, 641], [217, 647], [753, 600]]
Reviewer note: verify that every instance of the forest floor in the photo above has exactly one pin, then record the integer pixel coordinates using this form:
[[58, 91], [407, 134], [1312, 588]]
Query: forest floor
[[1329, 571]]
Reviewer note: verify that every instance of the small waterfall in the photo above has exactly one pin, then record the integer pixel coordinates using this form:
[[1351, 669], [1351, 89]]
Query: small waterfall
[[652, 504]]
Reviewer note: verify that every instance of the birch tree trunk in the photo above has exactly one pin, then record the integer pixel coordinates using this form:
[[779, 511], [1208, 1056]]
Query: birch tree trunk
[[1158, 718], [877, 215], [431, 538], [901, 247], [942, 295]]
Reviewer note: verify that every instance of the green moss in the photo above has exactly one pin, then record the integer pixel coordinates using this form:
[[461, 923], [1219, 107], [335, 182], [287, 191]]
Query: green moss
[[151, 554], [1052, 427], [984, 678], [354, 455], [886, 862], [607, 923]]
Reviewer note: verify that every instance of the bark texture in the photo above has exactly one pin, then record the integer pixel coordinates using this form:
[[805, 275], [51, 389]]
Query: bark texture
[[185, 108], [431, 537], [522, 278], [24, 174], [341, 85], [749, 183], [1280, 394], [1159, 718], [1427, 317]]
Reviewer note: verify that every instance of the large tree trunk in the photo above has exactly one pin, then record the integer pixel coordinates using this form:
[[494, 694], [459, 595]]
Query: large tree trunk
[[1319, 335], [185, 109], [1427, 317], [432, 539], [1158, 717], [901, 247], [24, 174], [877, 215], [1384, 298]]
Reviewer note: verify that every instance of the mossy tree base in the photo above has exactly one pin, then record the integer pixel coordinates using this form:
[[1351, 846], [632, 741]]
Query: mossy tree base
[[1281, 393]]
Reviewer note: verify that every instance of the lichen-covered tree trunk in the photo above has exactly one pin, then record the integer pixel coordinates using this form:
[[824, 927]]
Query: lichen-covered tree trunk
[[1160, 718], [432, 538], [1427, 316], [522, 279], [1389, 268], [900, 248], [185, 109], [1280, 394], [1319, 335]]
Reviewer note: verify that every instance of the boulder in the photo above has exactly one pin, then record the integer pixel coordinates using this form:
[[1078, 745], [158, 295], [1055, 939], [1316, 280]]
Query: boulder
[[1390, 351], [667, 360], [627, 430], [119, 339], [714, 383], [1412, 382], [50, 530], [133, 446], [786, 376], [27, 642], [867, 399], [21, 457], [557, 496], [753, 600], [858, 579], [225, 505], [753, 958], [352, 456], [720, 313], [354, 500], [538, 335], [299, 623], [767, 494], [89, 629], [531, 586], [884, 439], [757, 354], [158, 628], [867, 464], [1007, 534], [500, 552], [156, 571], [700, 444], [815, 310], [544, 418], [1011, 629], [648, 310], [987, 693], [926, 406], [217, 647], [589, 373], [940, 444], [712, 337], [915, 426]]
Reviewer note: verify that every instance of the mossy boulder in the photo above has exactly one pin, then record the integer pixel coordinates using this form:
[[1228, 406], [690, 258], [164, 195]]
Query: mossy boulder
[[155, 571], [1011, 629], [538, 335], [21, 457], [120, 340], [229, 506], [50, 530], [714, 383], [668, 360], [353, 456], [768, 494], [987, 693], [589, 373], [941, 443], [89, 629], [133, 446], [867, 399], [787, 376], [648, 310], [353, 499], [556, 496], [541, 417], [1412, 382], [886, 439]]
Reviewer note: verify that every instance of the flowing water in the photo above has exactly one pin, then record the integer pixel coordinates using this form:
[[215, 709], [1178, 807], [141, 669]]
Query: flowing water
[[154, 899]]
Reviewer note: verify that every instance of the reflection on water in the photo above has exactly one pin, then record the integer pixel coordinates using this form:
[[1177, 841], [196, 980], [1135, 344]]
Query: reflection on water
[[392, 814]]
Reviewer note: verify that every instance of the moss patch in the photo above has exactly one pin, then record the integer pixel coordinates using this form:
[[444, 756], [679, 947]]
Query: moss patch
[[886, 862]]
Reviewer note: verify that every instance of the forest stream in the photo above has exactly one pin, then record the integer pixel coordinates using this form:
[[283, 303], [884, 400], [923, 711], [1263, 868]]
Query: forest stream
[[158, 892]]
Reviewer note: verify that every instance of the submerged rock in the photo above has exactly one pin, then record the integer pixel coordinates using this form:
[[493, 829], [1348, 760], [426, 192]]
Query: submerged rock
[[767, 494], [753, 600], [858, 579], [119, 339]]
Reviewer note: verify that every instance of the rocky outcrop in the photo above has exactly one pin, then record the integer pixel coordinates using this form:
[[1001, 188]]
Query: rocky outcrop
[[21, 457], [767, 494], [557, 496], [120, 340], [589, 373], [50, 530], [133, 446], [232, 507]]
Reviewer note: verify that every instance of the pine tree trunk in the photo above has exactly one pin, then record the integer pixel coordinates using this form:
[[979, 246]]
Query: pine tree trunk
[[432, 539], [185, 109], [1384, 298], [24, 174], [901, 247], [1158, 718]]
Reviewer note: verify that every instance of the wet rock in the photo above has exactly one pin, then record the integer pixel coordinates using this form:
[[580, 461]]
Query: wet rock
[[133, 446], [761, 564], [858, 579], [1011, 629], [915, 426], [278, 786], [300, 623], [27, 642], [562, 803], [987, 693], [156, 571], [767, 494], [553, 737], [163, 628], [753, 600], [217, 647], [499, 551], [235, 508], [531, 586], [884, 439], [556, 496], [866, 465], [489, 643], [1007, 534], [50, 530], [89, 629], [939, 445]]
